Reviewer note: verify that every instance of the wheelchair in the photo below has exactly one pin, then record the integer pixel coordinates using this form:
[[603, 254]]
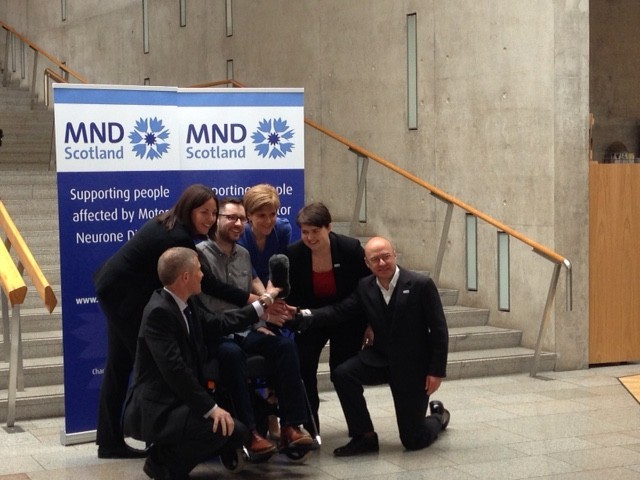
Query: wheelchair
[[259, 374]]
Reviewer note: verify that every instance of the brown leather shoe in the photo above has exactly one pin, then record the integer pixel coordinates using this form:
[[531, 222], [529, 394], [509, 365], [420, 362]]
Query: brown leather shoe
[[259, 445], [292, 435]]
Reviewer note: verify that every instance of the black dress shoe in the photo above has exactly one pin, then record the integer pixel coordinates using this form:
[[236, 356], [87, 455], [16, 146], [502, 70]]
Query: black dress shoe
[[120, 451], [156, 470], [437, 408], [358, 445]]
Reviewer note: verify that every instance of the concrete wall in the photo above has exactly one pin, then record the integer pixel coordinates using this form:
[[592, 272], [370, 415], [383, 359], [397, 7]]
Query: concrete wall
[[503, 105]]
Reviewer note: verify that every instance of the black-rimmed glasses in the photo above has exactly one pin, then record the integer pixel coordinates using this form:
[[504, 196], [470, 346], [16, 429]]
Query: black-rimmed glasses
[[233, 218]]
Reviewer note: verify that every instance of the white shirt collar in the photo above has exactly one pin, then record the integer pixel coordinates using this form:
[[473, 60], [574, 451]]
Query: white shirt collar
[[181, 305], [386, 294]]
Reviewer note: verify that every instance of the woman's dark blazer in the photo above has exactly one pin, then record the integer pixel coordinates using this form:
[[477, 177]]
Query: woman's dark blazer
[[127, 279], [347, 256]]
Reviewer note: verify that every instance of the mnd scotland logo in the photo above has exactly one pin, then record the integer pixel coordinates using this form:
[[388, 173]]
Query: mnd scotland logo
[[149, 138], [272, 137]]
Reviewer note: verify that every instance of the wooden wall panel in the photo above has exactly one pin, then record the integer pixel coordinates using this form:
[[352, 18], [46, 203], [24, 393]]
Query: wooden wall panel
[[614, 262]]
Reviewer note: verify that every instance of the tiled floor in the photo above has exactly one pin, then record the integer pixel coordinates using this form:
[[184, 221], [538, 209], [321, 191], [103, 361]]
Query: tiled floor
[[567, 426]]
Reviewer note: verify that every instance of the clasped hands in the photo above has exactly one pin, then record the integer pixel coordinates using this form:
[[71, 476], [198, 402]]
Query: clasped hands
[[278, 312]]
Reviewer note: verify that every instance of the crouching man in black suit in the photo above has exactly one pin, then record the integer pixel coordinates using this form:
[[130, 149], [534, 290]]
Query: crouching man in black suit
[[405, 345], [167, 404]]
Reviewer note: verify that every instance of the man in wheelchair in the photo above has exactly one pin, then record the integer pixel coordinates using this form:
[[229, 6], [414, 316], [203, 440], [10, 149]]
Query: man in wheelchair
[[231, 263]]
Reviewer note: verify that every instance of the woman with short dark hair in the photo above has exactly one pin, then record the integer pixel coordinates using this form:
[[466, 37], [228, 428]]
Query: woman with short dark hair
[[325, 267]]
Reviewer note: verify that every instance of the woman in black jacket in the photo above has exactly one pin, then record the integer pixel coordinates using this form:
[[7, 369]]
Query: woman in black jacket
[[124, 284], [324, 268]]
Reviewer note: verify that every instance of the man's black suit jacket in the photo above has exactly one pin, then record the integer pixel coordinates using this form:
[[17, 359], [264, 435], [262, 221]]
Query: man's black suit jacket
[[414, 344], [168, 383]]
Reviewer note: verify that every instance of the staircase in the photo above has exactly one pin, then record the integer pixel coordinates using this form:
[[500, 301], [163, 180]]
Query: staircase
[[30, 197], [28, 132], [29, 192]]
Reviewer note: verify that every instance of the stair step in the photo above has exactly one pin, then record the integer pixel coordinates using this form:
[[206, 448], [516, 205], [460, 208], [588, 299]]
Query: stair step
[[482, 337], [448, 296], [37, 372], [41, 192], [461, 316], [35, 402], [493, 362], [39, 344], [40, 320], [17, 208], [26, 224]]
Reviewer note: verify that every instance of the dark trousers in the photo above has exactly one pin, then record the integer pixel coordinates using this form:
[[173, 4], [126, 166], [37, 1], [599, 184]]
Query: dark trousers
[[281, 355], [198, 444], [345, 340], [122, 336], [410, 402]]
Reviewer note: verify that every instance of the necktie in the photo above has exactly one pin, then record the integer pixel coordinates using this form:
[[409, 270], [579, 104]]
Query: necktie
[[189, 317]]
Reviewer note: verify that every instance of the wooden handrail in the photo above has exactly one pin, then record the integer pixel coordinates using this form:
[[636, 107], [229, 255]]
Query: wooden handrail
[[26, 258], [51, 74], [553, 256], [218, 83], [10, 279], [36, 48]]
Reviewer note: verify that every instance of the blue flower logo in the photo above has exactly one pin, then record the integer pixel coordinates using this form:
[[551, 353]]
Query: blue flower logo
[[149, 138], [271, 138]]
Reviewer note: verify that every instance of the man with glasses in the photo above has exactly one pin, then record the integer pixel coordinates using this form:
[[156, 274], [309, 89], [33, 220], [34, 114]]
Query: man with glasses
[[231, 262], [405, 345]]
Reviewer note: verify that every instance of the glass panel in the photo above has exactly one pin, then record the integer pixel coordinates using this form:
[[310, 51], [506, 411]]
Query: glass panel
[[183, 13], [229, 17], [230, 70], [362, 166], [145, 26], [412, 72], [471, 225]]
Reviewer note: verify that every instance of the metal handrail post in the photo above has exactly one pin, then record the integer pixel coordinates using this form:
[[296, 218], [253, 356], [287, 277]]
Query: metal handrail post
[[16, 376], [13, 54], [7, 46], [23, 56], [33, 78], [362, 182], [569, 285], [546, 314], [6, 334], [443, 241]]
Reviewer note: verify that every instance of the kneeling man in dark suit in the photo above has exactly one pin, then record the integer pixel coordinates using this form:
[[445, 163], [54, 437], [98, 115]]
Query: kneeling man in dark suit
[[168, 405], [405, 345]]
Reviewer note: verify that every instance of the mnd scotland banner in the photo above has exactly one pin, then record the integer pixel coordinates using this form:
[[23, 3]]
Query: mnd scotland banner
[[124, 154]]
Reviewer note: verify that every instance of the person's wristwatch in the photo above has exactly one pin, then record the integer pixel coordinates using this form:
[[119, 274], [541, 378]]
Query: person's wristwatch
[[265, 300]]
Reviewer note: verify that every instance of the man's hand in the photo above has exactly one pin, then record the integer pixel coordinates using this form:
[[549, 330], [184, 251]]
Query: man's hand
[[221, 418], [431, 384], [273, 291], [277, 313], [367, 337], [264, 331], [252, 298]]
